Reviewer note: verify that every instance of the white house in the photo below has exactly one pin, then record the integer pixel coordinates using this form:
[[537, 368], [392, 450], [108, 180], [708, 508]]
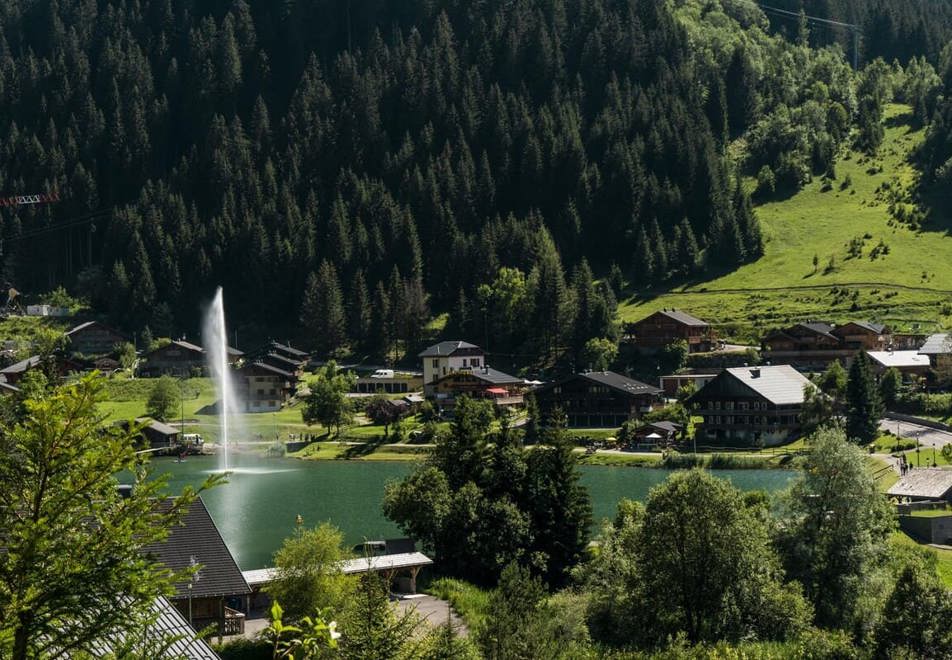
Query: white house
[[450, 356]]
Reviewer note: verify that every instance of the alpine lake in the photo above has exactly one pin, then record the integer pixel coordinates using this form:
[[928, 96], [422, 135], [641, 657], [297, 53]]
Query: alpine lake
[[259, 505]]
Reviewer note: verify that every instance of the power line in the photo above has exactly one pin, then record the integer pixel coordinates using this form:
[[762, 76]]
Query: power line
[[816, 20], [68, 224]]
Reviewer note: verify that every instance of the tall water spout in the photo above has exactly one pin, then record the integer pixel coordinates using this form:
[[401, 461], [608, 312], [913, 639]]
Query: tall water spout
[[215, 339]]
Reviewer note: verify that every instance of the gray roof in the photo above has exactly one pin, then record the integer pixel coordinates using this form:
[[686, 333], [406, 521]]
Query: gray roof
[[487, 374], [446, 348], [938, 344], [668, 427], [683, 317], [197, 540], [382, 563], [171, 634], [779, 384], [619, 382], [158, 426], [271, 368], [931, 483], [286, 348], [22, 366], [820, 328], [876, 328], [899, 358]]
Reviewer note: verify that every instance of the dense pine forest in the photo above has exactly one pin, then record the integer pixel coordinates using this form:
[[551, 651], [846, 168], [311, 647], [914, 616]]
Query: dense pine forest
[[348, 169]]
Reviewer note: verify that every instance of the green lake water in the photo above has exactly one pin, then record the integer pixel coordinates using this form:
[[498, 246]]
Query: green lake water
[[257, 508]]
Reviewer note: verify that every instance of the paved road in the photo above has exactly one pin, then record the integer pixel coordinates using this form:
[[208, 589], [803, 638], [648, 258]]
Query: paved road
[[928, 437], [432, 610]]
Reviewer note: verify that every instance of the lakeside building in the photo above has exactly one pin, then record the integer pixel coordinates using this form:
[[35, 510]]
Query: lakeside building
[[389, 381], [448, 357], [93, 338], [751, 405], [598, 399], [218, 593], [484, 382], [265, 388], [667, 326]]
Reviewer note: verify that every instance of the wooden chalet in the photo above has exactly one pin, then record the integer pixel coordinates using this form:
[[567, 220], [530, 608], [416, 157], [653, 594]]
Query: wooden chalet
[[657, 433], [815, 344], [289, 352], [218, 593], [863, 335], [668, 326], [12, 374], [598, 399], [182, 359], [93, 338], [265, 388], [161, 437], [283, 363], [482, 383], [751, 405], [938, 350]]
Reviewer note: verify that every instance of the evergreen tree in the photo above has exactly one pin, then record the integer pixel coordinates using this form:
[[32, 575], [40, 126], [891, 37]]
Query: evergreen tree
[[323, 310], [360, 315], [864, 407]]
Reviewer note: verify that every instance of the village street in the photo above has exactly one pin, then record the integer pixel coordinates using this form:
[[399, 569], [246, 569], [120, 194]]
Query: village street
[[928, 437]]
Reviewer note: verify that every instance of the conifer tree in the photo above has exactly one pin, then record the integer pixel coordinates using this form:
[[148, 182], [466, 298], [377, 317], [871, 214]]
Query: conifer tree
[[864, 407], [360, 314], [322, 312]]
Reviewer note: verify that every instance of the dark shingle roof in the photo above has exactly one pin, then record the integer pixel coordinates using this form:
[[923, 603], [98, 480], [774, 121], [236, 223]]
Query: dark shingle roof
[[820, 328], [620, 383], [285, 348], [281, 359], [270, 368], [486, 374], [683, 317], [197, 540], [157, 426], [446, 348], [876, 328]]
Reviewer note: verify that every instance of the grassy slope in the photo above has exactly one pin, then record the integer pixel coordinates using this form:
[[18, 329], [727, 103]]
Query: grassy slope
[[782, 286]]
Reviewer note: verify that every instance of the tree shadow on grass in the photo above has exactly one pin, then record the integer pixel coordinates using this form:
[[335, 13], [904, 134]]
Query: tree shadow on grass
[[363, 449]]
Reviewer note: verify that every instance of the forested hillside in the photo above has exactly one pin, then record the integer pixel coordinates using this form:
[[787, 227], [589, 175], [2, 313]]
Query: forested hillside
[[890, 29], [361, 165]]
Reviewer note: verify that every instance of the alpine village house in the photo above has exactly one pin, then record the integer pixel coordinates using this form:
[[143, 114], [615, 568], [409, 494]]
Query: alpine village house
[[598, 399], [751, 405]]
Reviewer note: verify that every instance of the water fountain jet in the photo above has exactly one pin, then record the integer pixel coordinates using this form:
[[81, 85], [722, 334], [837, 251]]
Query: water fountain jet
[[215, 338]]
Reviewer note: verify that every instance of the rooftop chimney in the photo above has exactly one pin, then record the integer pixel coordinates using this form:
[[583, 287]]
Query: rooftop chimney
[[755, 372]]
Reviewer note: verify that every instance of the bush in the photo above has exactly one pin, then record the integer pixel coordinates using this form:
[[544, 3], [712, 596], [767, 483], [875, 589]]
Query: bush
[[244, 649]]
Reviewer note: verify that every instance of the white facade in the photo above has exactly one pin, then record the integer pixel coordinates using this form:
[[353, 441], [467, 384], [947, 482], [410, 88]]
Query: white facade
[[437, 367]]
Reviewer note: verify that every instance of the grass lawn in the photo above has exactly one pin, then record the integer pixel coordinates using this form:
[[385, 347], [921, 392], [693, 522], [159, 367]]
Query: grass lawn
[[943, 557], [931, 513], [925, 457], [467, 600], [327, 451], [887, 444], [910, 288], [623, 460], [884, 474]]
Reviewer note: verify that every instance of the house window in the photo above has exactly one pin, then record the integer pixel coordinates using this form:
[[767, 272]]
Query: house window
[[436, 364], [557, 389], [475, 362], [464, 362], [756, 405], [743, 405], [728, 405], [717, 405]]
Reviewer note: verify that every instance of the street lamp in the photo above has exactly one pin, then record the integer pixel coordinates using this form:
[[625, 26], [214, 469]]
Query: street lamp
[[918, 459]]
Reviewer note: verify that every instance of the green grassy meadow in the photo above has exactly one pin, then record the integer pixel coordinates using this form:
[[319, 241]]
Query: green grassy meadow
[[910, 287]]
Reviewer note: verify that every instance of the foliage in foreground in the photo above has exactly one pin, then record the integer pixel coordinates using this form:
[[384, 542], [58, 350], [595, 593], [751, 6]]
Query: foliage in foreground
[[73, 572]]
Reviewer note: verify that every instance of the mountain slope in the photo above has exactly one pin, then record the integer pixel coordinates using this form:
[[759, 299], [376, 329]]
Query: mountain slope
[[909, 287]]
